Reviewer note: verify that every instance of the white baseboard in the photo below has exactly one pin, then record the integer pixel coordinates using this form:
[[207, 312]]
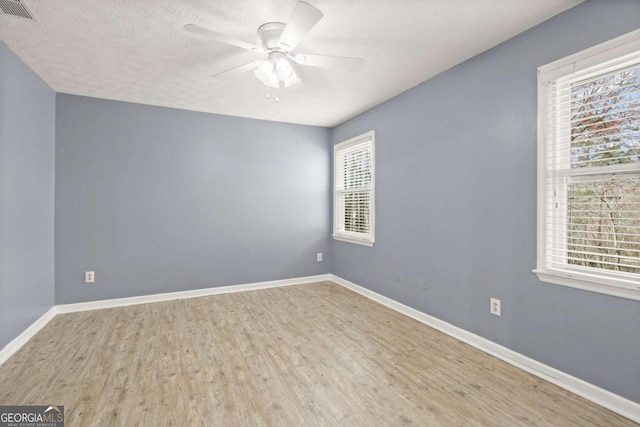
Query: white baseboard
[[15, 344], [611, 401], [21, 339], [145, 299]]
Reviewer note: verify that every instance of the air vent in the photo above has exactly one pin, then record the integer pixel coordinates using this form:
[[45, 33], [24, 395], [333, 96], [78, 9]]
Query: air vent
[[16, 8]]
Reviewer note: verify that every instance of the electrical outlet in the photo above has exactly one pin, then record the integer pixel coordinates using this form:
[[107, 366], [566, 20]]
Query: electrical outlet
[[89, 276], [495, 308], [319, 256]]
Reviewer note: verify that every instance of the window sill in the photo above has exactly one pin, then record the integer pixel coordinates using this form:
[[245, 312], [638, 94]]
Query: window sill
[[608, 286], [350, 239]]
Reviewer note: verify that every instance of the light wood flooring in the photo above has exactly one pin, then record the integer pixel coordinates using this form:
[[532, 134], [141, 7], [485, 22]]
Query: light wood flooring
[[303, 355]]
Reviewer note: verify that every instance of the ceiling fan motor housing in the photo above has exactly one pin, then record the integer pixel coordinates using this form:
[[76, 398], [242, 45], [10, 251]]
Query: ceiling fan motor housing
[[269, 34]]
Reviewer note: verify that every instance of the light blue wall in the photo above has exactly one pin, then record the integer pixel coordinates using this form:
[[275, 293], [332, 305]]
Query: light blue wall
[[27, 120], [456, 206], [159, 200]]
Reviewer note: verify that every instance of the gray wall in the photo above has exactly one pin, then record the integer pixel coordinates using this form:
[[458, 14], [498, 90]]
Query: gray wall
[[27, 120], [456, 206], [159, 200]]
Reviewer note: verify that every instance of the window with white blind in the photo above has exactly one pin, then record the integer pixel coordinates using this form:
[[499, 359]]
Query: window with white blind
[[353, 195], [589, 169]]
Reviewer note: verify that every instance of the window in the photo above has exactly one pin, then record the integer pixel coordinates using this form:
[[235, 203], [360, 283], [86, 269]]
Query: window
[[589, 169], [353, 195]]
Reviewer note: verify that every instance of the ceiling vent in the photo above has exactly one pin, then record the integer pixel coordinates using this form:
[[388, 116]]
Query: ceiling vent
[[16, 8]]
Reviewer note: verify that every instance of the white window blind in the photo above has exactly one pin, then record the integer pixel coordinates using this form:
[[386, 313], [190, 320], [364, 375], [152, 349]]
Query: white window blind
[[589, 177], [354, 190]]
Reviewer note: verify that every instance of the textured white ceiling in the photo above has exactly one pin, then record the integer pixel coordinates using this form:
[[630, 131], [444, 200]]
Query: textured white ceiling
[[137, 51]]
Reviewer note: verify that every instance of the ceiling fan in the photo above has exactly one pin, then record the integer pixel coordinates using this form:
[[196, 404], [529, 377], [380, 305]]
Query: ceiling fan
[[276, 62]]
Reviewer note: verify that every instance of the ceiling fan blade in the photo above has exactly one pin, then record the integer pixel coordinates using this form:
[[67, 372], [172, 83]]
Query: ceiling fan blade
[[201, 31], [340, 62], [239, 69], [300, 74], [302, 20]]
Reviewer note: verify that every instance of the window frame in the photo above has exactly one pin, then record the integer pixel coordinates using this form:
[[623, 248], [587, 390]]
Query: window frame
[[613, 54], [367, 138]]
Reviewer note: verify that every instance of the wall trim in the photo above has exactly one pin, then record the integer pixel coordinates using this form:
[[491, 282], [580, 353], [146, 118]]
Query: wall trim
[[169, 296], [618, 404], [15, 344]]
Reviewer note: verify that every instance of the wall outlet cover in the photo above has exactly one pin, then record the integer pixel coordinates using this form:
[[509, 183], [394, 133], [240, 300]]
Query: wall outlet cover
[[89, 276], [495, 307]]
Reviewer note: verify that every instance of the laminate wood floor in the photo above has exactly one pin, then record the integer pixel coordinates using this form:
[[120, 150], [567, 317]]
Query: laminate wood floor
[[303, 355]]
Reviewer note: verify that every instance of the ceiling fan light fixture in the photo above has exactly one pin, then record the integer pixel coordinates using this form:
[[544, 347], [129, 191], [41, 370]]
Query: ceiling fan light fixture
[[284, 70], [264, 70], [276, 71]]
